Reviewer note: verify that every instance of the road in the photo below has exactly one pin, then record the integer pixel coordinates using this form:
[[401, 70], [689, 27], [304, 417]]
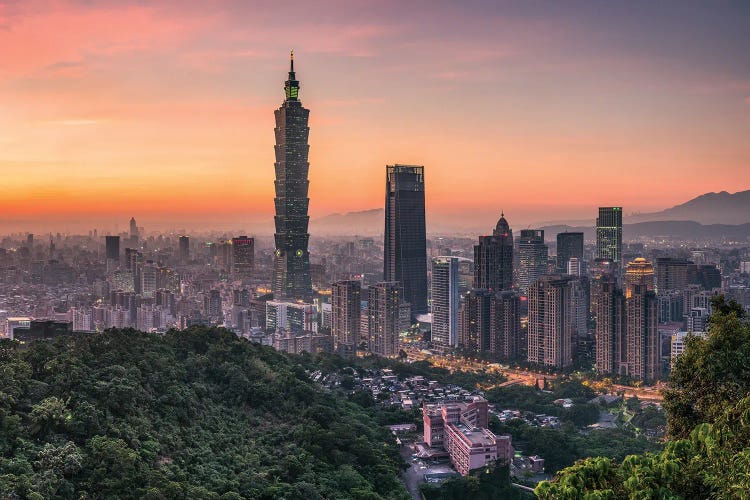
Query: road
[[412, 476], [525, 377]]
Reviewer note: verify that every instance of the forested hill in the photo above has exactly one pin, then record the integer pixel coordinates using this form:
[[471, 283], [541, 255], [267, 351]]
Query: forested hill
[[192, 414]]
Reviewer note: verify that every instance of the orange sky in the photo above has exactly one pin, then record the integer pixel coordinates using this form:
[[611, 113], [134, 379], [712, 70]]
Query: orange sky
[[165, 110]]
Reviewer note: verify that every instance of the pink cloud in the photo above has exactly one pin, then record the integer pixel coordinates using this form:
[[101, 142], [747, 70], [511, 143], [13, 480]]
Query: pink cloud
[[64, 33]]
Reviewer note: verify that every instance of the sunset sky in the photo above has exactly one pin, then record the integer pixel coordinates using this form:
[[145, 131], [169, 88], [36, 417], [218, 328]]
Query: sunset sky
[[164, 110]]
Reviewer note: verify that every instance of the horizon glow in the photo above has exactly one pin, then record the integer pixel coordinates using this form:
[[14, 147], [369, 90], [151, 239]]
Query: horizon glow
[[165, 111]]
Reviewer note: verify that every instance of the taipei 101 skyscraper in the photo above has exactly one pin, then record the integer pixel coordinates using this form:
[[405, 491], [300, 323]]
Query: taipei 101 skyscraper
[[291, 270]]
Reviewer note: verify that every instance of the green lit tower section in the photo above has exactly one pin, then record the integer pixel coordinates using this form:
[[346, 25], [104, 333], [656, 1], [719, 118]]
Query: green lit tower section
[[291, 270]]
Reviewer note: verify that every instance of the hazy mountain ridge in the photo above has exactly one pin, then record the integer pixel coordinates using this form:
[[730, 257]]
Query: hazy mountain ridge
[[710, 215], [709, 208], [360, 222]]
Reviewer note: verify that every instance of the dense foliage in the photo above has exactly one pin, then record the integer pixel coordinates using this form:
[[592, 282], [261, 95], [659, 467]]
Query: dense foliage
[[531, 399], [468, 380], [712, 375], [193, 414], [709, 391], [562, 447], [490, 483]]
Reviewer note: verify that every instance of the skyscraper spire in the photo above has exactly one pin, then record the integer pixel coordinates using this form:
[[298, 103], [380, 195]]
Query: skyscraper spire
[[291, 273], [291, 86]]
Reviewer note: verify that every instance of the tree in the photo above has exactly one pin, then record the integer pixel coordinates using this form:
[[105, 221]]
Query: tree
[[711, 375], [708, 413]]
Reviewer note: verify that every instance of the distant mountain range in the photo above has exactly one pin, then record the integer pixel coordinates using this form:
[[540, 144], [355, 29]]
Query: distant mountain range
[[709, 216], [363, 222], [709, 208]]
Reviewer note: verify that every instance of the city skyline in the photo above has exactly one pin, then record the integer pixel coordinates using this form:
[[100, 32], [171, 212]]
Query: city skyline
[[170, 121]]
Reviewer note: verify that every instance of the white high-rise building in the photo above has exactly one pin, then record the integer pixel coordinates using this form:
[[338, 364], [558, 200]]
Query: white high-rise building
[[444, 292]]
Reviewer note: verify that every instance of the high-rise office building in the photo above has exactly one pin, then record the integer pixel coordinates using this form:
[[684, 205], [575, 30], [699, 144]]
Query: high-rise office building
[[134, 264], [671, 274], [609, 234], [643, 354], [243, 257], [642, 320], [610, 325], [212, 306], [291, 271], [149, 276], [505, 324], [293, 317], [493, 258], [445, 301], [474, 321], [532, 257], [552, 321], [569, 246], [112, 250], [346, 312], [133, 229], [184, 242], [384, 322], [405, 243]]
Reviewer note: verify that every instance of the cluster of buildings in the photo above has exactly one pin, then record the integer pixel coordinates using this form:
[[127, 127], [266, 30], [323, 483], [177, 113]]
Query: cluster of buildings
[[623, 308], [460, 430]]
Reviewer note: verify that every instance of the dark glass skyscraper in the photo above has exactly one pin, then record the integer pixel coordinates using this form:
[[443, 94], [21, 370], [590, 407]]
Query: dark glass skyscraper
[[609, 234], [493, 258], [184, 249], [405, 245], [569, 245], [112, 244], [291, 270], [532, 257]]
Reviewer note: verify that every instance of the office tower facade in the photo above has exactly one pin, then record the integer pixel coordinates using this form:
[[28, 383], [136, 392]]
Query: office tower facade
[[642, 320], [575, 267], [697, 321], [112, 252], [445, 301], [346, 311], [134, 265], [243, 258], [184, 247], [149, 276], [642, 334], [610, 326], [405, 243], [707, 276], [609, 234], [291, 270], [569, 246], [671, 274], [293, 317], [112, 248], [505, 324], [493, 258], [133, 229], [532, 258], [474, 321], [384, 322], [551, 326], [212, 306]]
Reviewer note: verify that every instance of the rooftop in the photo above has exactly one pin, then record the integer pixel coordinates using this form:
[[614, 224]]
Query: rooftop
[[475, 436]]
